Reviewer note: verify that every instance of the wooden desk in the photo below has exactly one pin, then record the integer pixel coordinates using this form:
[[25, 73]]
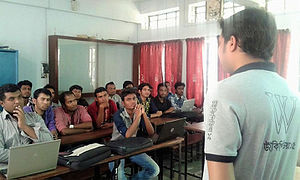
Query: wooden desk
[[93, 135], [159, 121], [196, 127], [61, 170]]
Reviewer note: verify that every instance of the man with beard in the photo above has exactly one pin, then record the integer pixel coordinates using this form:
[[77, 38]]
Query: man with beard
[[16, 127], [25, 87], [41, 100], [161, 101], [71, 118]]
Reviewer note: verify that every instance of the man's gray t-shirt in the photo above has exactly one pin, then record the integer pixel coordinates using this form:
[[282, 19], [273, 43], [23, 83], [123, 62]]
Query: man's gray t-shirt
[[253, 120]]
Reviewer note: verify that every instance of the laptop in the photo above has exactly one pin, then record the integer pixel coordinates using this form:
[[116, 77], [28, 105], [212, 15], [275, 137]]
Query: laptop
[[188, 105], [169, 130], [31, 159]]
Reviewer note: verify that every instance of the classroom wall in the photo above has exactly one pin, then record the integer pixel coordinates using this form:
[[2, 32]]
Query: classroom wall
[[26, 24]]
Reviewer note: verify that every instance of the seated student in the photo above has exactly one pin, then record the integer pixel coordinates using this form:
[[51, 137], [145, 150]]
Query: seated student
[[52, 90], [127, 84], [41, 101], [169, 90], [161, 101], [178, 98], [18, 128], [102, 109], [25, 87], [77, 90], [111, 90], [132, 121], [71, 118], [145, 100]]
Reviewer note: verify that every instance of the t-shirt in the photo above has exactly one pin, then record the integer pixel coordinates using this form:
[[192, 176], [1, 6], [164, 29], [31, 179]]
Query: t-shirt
[[253, 120], [162, 106]]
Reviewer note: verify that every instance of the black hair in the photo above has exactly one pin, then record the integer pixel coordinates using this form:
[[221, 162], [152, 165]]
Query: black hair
[[8, 88], [110, 83], [48, 86], [24, 83], [125, 92], [62, 96], [161, 85], [255, 32], [126, 83], [41, 90], [75, 87], [141, 86], [177, 84], [98, 90]]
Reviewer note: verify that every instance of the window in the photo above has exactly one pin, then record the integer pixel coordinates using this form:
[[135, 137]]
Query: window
[[231, 8], [164, 20], [197, 12], [282, 6]]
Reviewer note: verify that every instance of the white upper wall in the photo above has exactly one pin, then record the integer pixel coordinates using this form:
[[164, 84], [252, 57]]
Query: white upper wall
[[26, 25]]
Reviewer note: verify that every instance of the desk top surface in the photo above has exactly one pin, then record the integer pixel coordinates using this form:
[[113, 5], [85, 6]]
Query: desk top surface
[[197, 127], [63, 170]]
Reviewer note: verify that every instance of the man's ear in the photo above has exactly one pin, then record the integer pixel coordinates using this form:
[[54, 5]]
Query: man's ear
[[34, 101], [232, 43], [1, 103]]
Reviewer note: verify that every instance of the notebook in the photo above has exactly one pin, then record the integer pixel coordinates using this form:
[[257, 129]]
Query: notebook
[[31, 159], [169, 130], [188, 105]]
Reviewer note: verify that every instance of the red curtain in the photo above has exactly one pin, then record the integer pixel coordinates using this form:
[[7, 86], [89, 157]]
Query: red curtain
[[194, 77], [281, 52], [150, 64], [173, 62], [221, 74]]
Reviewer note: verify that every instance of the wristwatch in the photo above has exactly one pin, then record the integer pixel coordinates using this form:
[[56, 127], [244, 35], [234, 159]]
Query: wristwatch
[[71, 126]]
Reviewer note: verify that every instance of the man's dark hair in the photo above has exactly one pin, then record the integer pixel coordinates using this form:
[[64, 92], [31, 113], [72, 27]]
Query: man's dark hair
[[126, 83], [8, 88], [141, 86], [125, 92], [177, 84], [41, 90], [62, 96], [255, 31], [110, 83], [98, 90], [75, 87], [49, 86], [161, 85], [24, 83]]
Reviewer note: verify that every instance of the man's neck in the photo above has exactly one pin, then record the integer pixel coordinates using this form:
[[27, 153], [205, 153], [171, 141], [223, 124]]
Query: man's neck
[[130, 112], [39, 111], [161, 99], [245, 59], [179, 96], [143, 98], [68, 112], [26, 100]]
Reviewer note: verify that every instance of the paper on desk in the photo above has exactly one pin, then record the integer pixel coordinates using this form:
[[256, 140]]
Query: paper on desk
[[79, 151]]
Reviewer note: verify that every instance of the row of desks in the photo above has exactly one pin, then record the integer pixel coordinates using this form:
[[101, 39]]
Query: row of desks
[[102, 133]]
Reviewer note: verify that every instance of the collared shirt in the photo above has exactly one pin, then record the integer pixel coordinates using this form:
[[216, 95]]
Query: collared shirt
[[11, 135], [176, 101], [162, 106], [169, 95], [122, 122], [117, 99], [48, 116], [64, 120], [93, 110]]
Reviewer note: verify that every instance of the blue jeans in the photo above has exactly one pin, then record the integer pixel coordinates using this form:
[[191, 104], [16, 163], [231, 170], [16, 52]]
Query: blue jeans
[[149, 171]]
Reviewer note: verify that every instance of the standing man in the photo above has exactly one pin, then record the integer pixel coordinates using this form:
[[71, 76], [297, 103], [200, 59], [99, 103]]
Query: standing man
[[16, 127], [25, 87], [252, 118], [102, 109], [132, 121], [111, 90], [41, 100], [178, 98], [71, 118], [77, 91]]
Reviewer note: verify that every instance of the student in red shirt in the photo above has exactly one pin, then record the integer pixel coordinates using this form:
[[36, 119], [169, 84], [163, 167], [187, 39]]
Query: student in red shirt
[[102, 109]]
